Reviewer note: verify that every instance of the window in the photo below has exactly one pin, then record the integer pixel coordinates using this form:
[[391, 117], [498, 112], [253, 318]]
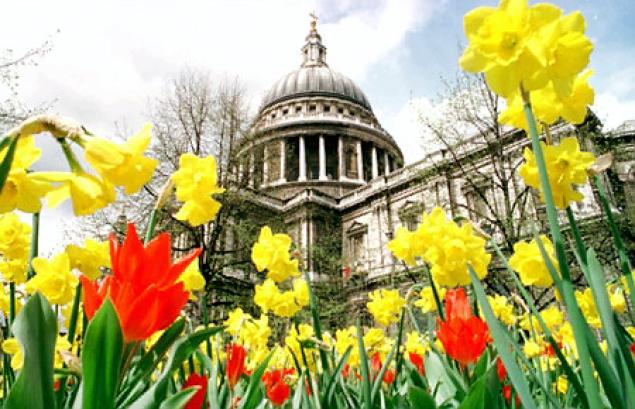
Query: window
[[273, 116], [356, 236], [298, 109], [285, 111], [327, 108], [340, 110], [312, 108]]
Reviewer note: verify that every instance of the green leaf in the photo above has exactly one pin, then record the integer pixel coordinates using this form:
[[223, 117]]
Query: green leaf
[[182, 349], [366, 397], [150, 359], [439, 378], [483, 393], [503, 344], [179, 399], [101, 359], [328, 394], [380, 376], [571, 376], [5, 166], [253, 395], [35, 328], [420, 398]]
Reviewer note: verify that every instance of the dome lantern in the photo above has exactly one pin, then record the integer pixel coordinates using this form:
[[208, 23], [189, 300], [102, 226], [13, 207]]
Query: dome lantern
[[313, 52]]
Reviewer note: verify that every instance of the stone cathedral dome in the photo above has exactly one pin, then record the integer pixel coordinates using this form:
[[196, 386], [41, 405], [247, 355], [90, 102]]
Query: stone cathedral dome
[[316, 129], [316, 80]]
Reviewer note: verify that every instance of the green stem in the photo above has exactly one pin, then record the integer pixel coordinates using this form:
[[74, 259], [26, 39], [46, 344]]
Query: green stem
[[72, 327], [154, 216], [435, 293], [625, 264], [316, 323], [11, 305], [35, 236], [577, 320], [577, 236], [70, 156]]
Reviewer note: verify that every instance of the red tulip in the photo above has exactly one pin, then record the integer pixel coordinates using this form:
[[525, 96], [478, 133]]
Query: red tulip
[[507, 394], [417, 361], [198, 399], [463, 335], [277, 390], [500, 370], [142, 287], [376, 364], [235, 363]]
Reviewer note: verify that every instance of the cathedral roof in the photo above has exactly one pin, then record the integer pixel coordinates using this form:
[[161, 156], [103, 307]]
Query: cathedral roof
[[314, 78]]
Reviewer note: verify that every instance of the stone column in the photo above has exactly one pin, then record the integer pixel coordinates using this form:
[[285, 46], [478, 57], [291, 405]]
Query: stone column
[[252, 168], [283, 161], [360, 161], [374, 163], [302, 160], [322, 157], [265, 165], [340, 158], [386, 164]]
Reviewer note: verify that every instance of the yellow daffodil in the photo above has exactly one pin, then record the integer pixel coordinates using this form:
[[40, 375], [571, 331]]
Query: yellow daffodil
[[345, 338], [516, 44], [561, 385], [406, 246], [53, 279], [4, 301], [14, 270], [301, 292], [529, 263], [196, 181], [616, 298], [553, 317], [283, 304], [548, 106], [450, 247], [87, 192], [271, 252], [567, 166], [296, 336], [587, 305], [385, 306], [502, 309], [122, 164], [15, 237], [415, 344], [426, 300], [89, 258], [532, 349], [12, 347], [192, 279], [22, 190]]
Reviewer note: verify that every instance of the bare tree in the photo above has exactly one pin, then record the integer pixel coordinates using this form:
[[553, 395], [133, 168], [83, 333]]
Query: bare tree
[[195, 114], [12, 109], [483, 155]]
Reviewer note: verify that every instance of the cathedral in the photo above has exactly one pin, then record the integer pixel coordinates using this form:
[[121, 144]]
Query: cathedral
[[318, 157]]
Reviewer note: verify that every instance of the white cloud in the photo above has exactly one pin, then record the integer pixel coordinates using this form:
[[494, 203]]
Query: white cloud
[[110, 57]]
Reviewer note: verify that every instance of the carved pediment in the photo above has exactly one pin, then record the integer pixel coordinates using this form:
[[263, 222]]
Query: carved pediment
[[356, 228]]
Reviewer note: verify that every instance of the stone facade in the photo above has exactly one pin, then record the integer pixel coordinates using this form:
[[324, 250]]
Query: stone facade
[[316, 148]]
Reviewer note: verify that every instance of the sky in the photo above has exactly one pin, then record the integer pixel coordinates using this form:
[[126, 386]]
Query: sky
[[109, 59]]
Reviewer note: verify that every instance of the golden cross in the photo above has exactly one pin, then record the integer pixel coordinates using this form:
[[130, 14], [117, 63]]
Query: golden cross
[[314, 19]]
